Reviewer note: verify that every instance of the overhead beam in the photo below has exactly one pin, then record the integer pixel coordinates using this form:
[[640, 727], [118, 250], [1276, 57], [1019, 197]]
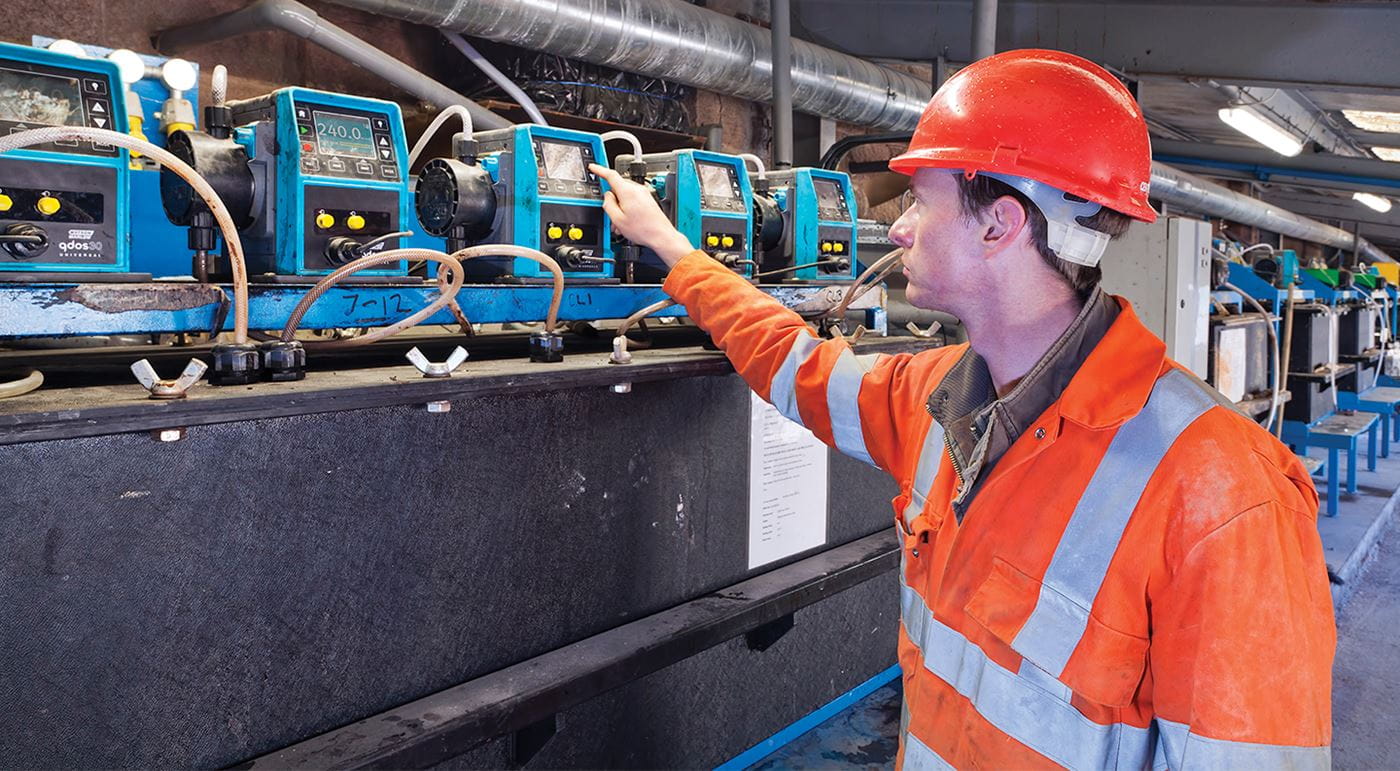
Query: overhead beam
[[1334, 45]]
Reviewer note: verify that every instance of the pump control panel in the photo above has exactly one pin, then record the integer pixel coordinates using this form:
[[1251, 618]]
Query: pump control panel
[[818, 208], [63, 205], [545, 198], [709, 198]]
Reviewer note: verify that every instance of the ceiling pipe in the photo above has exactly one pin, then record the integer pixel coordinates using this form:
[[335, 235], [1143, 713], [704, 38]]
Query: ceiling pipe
[[683, 43], [1194, 194], [781, 25], [984, 28], [291, 16]]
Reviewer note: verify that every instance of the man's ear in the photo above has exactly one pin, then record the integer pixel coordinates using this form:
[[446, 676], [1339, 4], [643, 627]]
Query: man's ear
[[1002, 223]]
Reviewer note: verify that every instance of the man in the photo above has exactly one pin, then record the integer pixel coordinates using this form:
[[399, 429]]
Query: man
[[1103, 565]]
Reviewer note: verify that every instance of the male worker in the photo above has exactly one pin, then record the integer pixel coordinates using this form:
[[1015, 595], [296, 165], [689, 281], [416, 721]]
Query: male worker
[[1103, 565]]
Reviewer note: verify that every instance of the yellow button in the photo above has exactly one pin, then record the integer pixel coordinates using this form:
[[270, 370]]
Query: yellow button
[[727, 241], [6, 202], [48, 205], [575, 234], [826, 247], [325, 221], [555, 232], [838, 247], [355, 222], [712, 240]]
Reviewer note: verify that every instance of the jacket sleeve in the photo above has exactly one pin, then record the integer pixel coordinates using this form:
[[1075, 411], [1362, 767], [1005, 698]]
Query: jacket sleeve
[[864, 406], [1242, 647]]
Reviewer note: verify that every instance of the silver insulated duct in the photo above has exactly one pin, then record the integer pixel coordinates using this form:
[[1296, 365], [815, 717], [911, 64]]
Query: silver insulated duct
[[1194, 194], [680, 42]]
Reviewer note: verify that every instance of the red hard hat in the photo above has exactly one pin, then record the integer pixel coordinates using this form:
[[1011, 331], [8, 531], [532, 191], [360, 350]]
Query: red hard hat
[[1045, 115]]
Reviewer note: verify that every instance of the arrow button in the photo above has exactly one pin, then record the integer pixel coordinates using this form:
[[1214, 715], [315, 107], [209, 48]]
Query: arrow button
[[99, 122]]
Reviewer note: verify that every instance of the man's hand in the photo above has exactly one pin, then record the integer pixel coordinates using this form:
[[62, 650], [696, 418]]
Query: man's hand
[[636, 215]]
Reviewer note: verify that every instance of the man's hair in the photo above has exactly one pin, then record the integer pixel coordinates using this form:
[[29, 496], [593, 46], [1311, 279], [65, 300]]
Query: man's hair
[[979, 193]]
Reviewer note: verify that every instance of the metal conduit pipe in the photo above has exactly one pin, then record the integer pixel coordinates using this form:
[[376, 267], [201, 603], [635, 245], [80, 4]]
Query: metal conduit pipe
[[291, 16], [781, 25], [676, 41], [984, 28], [1192, 193]]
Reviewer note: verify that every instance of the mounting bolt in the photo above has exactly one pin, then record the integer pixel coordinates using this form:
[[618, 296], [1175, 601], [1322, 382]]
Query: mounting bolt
[[622, 388], [546, 347], [439, 407], [437, 369], [168, 389]]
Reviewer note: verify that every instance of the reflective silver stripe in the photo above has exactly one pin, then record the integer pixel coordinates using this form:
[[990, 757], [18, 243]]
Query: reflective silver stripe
[[930, 458], [843, 402], [919, 757], [1017, 706], [1081, 559], [1185, 750], [783, 390]]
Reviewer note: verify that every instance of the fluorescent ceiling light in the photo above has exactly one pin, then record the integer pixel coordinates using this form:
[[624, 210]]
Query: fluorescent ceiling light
[[1387, 153], [1249, 122], [1374, 120], [1377, 202]]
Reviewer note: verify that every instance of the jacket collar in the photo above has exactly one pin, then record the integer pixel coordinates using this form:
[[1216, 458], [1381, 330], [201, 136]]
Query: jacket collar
[[1113, 383]]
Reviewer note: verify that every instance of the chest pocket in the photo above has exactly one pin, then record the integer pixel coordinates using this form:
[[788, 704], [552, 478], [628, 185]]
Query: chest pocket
[[1062, 640]]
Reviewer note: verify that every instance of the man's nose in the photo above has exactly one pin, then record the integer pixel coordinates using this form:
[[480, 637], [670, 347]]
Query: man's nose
[[902, 232]]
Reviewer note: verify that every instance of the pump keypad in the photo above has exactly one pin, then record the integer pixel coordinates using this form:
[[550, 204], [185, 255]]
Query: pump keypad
[[344, 143]]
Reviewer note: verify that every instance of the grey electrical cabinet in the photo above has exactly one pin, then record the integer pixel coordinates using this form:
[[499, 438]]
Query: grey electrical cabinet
[[1163, 269]]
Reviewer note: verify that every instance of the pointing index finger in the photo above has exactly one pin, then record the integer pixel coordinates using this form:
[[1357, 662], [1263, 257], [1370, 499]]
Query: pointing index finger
[[606, 173]]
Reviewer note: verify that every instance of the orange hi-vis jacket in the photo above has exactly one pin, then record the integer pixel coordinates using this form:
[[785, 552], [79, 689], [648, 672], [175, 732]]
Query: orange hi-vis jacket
[[1137, 583]]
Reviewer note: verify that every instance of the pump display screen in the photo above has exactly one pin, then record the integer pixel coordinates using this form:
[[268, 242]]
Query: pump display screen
[[717, 181], [563, 161], [40, 99], [338, 134], [831, 200]]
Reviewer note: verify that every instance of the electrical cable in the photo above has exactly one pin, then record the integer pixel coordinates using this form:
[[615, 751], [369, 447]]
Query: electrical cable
[[431, 130], [238, 266], [792, 268], [499, 78], [32, 380]]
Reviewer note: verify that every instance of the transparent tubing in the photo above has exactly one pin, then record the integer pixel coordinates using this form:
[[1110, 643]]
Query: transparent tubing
[[211, 199], [620, 354], [885, 265], [452, 262], [431, 131], [1274, 347]]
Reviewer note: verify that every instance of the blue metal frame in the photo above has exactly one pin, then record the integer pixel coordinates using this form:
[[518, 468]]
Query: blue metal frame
[[829, 710], [97, 68], [57, 310]]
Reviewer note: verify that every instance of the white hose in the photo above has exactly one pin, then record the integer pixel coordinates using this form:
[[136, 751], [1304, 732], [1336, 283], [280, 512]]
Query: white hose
[[428, 133], [620, 354], [757, 163], [216, 206], [499, 78], [631, 138], [24, 385]]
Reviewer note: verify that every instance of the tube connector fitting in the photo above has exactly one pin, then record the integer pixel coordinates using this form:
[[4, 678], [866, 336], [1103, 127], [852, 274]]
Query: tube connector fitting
[[283, 361], [546, 347], [620, 354], [235, 364]]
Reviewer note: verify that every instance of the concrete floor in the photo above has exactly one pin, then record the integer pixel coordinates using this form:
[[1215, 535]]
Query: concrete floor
[[1366, 675]]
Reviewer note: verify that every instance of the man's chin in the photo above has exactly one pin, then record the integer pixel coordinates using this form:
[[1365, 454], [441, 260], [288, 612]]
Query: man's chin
[[921, 297]]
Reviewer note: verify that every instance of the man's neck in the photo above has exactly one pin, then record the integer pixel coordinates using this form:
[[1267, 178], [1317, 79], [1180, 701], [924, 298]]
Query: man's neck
[[1013, 334]]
